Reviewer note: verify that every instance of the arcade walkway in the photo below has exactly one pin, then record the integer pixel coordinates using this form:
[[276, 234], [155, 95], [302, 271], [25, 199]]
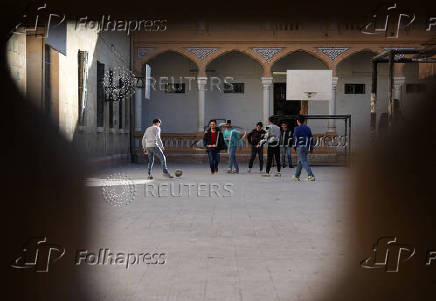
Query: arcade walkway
[[254, 239]]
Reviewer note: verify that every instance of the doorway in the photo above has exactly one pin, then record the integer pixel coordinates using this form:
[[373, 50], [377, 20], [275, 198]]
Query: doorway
[[283, 106]]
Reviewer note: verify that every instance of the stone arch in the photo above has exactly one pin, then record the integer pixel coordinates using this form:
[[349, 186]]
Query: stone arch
[[289, 51], [246, 51], [158, 51], [353, 51]]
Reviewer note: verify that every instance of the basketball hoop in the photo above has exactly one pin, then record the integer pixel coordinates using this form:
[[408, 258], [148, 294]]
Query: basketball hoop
[[310, 94]]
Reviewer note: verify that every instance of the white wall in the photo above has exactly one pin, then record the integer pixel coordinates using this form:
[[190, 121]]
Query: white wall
[[357, 69], [245, 110], [95, 142], [178, 111]]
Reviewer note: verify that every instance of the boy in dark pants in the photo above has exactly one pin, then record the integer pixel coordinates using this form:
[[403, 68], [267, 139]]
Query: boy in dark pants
[[285, 144], [303, 143], [272, 138], [254, 138], [213, 140]]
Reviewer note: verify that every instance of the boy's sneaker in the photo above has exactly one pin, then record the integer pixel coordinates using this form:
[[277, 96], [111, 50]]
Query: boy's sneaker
[[249, 170], [229, 171], [265, 174], [310, 178], [236, 171], [150, 177], [168, 175], [216, 170], [294, 178], [278, 174]]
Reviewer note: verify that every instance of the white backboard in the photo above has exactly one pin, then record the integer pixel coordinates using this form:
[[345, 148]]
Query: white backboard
[[309, 85]]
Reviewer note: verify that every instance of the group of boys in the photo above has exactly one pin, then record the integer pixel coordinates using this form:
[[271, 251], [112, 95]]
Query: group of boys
[[277, 140]]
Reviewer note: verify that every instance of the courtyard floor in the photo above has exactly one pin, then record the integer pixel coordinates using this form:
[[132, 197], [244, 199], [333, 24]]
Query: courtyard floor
[[224, 236]]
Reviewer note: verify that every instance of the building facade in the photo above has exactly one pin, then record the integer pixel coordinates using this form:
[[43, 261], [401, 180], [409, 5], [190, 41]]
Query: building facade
[[67, 85], [255, 58]]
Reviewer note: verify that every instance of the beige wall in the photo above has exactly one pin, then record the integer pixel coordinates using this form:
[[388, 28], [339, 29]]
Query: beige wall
[[112, 49], [42, 74], [16, 57]]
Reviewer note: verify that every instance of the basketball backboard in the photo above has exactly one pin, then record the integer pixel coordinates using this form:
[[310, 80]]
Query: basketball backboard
[[309, 85]]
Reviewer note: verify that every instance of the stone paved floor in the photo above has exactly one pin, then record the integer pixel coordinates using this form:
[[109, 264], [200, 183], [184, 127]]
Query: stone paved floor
[[230, 237]]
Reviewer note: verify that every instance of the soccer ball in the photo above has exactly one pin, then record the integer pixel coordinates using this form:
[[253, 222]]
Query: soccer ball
[[178, 173]]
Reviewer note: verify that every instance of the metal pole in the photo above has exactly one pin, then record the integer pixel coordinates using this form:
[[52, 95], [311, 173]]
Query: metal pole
[[373, 124], [391, 86], [346, 141], [349, 137]]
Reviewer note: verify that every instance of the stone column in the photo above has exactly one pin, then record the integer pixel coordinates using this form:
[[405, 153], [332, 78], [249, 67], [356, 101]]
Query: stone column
[[266, 88], [201, 82], [138, 109], [332, 107]]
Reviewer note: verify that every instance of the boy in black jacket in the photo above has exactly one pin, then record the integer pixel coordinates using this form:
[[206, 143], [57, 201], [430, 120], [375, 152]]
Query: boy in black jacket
[[285, 143], [254, 138], [213, 141]]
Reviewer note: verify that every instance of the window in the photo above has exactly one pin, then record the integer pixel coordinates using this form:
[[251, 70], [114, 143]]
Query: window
[[111, 114], [175, 88], [111, 101], [100, 95], [415, 88], [120, 114], [234, 88], [354, 89], [83, 78]]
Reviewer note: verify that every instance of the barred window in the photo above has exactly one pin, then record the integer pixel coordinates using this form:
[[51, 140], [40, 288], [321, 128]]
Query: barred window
[[234, 88], [354, 89], [175, 88], [83, 78]]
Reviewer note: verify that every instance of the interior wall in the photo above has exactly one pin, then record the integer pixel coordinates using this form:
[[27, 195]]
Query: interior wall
[[178, 111], [244, 109]]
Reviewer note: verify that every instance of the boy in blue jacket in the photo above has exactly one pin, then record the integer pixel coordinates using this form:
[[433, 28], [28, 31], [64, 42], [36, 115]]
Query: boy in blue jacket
[[232, 140], [303, 143]]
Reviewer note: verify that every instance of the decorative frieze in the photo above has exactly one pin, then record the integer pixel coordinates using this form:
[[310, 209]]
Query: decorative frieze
[[142, 51], [202, 53], [333, 52], [267, 52]]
